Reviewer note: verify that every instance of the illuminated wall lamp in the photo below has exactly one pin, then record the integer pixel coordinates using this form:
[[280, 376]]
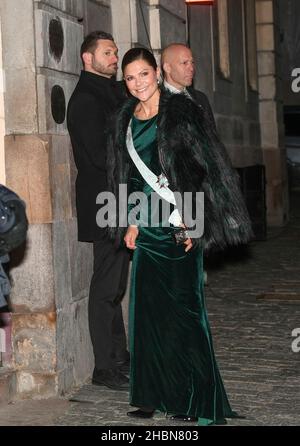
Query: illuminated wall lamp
[[199, 2]]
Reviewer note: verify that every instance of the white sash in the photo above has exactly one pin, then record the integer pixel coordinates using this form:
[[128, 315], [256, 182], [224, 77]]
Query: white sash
[[158, 184]]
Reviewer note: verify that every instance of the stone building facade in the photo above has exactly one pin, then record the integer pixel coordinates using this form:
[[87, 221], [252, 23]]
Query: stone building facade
[[237, 51], [290, 37]]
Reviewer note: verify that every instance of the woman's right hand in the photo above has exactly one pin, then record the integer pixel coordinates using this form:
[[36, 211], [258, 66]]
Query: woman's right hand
[[130, 237]]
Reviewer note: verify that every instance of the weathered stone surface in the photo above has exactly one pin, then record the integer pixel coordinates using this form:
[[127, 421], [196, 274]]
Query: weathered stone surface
[[270, 90], [20, 97], [176, 7], [268, 111], [267, 87], [2, 117], [58, 4], [73, 176], [83, 354], [200, 38], [32, 275], [269, 136], [171, 22], [20, 104], [40, 413], [265, 37], [276, 177], [120, 19], [264, 12], [61, 233], [81, 258], [72, 7], [46, 80], [36, 385], [273, 159], [60, 178], [27, 173], [20, 44], [266, 63], [34, 342], [7, 385], [98, 16], [74, 350], [69, 61], [5, 339], [121, 14], [65, 380], [142, 38], [66, 348]]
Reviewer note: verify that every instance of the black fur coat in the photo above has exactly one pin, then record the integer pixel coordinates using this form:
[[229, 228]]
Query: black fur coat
[[193, 159]]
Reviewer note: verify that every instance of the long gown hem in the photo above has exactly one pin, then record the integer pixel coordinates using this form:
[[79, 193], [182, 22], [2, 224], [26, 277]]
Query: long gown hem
[[172, 357], [202, 420]]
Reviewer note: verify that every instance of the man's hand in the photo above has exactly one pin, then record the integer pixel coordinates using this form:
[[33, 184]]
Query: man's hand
[[130, 237], [188, 243]]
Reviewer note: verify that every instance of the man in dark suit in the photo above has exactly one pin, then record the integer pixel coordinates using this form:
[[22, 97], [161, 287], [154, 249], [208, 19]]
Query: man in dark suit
[[179, 69], [93, 101]]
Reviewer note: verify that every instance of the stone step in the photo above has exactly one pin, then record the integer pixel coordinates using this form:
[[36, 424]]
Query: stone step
[[8, 385]]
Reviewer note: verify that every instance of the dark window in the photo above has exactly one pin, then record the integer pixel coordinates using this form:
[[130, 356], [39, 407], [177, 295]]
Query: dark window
[[292, 120]]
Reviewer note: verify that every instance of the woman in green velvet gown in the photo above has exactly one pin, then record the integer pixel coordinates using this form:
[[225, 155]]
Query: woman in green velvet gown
[[173, 366]]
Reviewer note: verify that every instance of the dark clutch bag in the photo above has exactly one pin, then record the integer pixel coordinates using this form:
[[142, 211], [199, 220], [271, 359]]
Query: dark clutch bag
[[180, 236]]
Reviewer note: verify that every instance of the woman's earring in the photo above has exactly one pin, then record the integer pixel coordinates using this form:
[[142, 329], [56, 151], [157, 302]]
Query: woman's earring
[[158, 82]]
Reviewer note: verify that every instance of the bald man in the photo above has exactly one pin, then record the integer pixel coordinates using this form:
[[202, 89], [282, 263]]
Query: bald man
[[179, 69]]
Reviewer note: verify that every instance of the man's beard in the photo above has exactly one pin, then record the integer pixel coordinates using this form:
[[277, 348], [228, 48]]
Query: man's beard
[[106, 71]]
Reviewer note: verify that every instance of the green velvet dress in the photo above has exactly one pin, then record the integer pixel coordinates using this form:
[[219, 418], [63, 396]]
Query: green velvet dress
[[173, 367]]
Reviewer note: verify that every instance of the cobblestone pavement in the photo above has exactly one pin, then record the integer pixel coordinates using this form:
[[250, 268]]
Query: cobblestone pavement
[[252, 339]]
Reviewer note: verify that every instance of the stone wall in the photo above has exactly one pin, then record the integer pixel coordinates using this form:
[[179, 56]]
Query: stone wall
[[52, 350], [270, 108], [2, 115]]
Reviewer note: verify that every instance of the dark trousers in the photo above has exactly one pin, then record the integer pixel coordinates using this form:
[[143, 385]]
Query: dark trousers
[[108, 286]]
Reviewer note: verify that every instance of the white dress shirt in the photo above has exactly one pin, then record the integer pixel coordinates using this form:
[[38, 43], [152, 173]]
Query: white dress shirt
[[175, 90]]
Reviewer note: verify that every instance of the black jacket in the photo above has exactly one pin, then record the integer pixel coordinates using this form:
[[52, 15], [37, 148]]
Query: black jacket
[[92, 103], [193, 159], [201, 99]]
